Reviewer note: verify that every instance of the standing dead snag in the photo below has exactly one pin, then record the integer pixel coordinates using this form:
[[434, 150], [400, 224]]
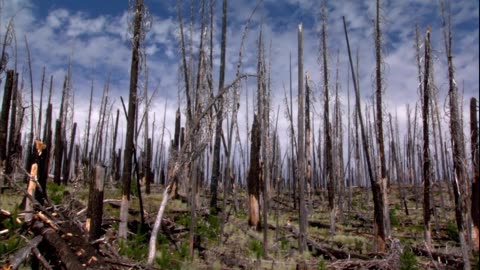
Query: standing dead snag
[[475, 211], [7, 98], [58, 152], [382, 184], [132, 104], [459, 183], [253, 178], [328, 155], [93, 224], [426, 154], [377, 198], [301, 146], [218, 127]]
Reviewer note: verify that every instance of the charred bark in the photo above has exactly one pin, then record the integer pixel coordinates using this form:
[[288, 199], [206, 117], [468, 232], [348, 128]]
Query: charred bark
[[7, 98], [132, 105], [475, 211], [253, 178], [426, 145]]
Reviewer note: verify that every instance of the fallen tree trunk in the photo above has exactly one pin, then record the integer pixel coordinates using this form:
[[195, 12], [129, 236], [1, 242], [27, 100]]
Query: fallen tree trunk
[[327, 252], [448, 259], [22, 254], [58, 246]]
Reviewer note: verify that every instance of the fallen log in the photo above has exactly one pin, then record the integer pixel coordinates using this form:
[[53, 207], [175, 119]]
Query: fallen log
[[58, 246], [448, 259], [327, 252], [22, 254]]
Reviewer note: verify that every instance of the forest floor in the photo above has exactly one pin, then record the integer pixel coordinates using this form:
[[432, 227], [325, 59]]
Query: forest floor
[[225, 241]]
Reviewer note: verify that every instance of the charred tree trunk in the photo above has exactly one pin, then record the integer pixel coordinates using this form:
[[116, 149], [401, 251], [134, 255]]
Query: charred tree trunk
[[459, 183], [113, 158], [132, 105], [377, 197], [68, 159], [218, 128], [86, 150], [93, 224], [148, 169], [12, 136], [426, 145], [381, 185], [301, 146], [475, 211], [328, 156], [253, 178], [43, 165], [7, 98], [58, 152]]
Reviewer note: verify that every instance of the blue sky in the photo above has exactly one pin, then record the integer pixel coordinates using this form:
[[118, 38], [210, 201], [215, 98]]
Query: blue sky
[[95, 35]]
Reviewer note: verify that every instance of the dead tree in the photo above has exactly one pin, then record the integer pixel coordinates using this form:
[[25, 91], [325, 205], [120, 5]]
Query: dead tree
[[308, 142], [426, 145], [132, 104], [376, 191], [12, 132], [87, 130], [219, 116], [253, 178], [114, 157], [68, 159], [58, 152], [39, 128], [301, 146], [328, 155], [93, 223], [475, 211], [459, 184], [7, 99], [382, 183]]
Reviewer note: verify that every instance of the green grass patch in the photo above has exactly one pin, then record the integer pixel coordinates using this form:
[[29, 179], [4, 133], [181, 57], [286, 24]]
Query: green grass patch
[[255, 248], [408, 260], [135, 247], [452, 232], [55, 192]]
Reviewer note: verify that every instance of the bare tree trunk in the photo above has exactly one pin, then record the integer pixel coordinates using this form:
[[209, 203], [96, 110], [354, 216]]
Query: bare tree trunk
[[132, 104], [68, 159], [253, 179], [376, 191], [12, 145], [301, 147], [426, 145], [475, 211], [58, 152], [113, 157], [328, 156], [218, 128], [87, 130], [41, 105], [93, 224], [460, 186], [382, 184], [7, 99], [44, 163]]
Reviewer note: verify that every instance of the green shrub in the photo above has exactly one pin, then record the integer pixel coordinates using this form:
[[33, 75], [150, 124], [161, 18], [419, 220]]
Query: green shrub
[[322, 265], [10, 244], [452, 232], [476, 258], [393, 217], [284, 244], [135, 247], [256, 248], [55, 192], [408, 260]]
